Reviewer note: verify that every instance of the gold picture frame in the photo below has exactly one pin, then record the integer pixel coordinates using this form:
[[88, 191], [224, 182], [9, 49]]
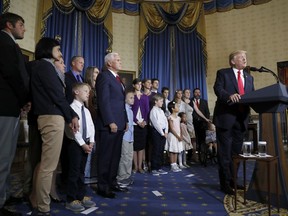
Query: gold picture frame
[[127, 77], [28, 55]]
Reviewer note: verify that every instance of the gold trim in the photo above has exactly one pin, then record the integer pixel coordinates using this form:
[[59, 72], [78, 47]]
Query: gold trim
[[28, 55], [129, 75]]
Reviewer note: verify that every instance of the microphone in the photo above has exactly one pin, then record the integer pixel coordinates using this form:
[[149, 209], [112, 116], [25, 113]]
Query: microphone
[[264, 69], [257, 69]]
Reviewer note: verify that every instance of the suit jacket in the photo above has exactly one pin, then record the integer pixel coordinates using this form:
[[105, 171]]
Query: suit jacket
[[225, 114], [48, 93], [70, 80], [14, 79], [111, 102], [203, 107]]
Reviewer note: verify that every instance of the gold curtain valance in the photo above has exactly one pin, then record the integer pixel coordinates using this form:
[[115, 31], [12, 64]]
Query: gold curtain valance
[[100, 12], [96, 14], [156, 23], [151, 19]]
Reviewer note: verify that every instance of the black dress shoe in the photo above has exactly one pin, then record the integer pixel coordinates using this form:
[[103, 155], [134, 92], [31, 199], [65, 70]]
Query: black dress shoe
[[117, 188], [227, 190], [36, 212], [6, 212], [106, 194]]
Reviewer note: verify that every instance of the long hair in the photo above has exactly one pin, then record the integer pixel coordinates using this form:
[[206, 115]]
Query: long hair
[[89, 76], [44, 48]]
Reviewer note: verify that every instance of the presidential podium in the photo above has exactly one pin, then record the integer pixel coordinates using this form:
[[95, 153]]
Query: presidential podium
[[269, 102]]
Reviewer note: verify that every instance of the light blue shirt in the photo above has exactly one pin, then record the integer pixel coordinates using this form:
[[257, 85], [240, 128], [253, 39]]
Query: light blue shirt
[[128, 135], [76, 74]]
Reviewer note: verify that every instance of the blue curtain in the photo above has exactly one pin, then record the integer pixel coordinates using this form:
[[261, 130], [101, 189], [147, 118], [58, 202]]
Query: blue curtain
[[190, 71], [176, 59], [78, 37], [156, 60], [1, 6]]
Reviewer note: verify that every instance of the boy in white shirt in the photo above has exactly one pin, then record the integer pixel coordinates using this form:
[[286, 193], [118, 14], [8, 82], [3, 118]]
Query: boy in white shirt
[[159, 134], [81, 144]]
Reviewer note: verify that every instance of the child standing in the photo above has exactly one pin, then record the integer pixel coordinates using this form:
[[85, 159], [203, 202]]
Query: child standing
[[81, 144], [174, 136], [125, 164], [159, 133], [187, 144], [211, 139]]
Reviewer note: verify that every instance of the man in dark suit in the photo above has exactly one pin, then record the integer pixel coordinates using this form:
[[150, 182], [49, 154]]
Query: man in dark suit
[[14, 86], [230, 117], [200, 125], [73, 76], [111, 123]]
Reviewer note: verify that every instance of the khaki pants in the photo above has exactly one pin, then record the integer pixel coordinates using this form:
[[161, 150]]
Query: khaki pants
[[125, 164], [51, 128]]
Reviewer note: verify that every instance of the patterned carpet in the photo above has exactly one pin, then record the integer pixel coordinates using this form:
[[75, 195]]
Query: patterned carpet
[[251, 207], [194, 191]]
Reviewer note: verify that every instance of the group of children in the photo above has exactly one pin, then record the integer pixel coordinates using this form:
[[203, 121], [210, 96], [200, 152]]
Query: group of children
[[167, 133]]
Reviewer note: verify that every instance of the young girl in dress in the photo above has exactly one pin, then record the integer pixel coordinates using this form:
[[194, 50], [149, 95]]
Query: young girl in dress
[[187, 144], [175, 138]]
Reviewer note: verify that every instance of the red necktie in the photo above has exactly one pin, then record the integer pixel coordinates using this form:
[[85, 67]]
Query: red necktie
[[118, 78], [240, 84], [197, 103]]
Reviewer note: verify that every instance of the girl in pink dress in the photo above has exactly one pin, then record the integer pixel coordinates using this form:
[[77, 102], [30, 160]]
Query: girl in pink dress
[[174, 139]]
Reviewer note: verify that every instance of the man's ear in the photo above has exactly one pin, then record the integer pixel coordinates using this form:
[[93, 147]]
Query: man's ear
[[9, 25]]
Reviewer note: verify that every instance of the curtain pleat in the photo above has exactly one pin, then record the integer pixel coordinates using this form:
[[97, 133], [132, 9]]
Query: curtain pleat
[[78, 36], [4, 6], [156, 49]]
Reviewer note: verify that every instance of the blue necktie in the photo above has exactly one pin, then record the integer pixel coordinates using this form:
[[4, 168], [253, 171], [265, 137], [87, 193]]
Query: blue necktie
[[78, 77], [84, 129]]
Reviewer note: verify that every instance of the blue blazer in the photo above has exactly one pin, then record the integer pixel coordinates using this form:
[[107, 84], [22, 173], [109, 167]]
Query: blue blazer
[[48, 92], [14, 78], [111, 102], [225, 114]]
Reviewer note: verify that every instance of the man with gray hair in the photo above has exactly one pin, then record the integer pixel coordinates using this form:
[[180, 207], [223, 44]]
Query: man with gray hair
[[111, 123]]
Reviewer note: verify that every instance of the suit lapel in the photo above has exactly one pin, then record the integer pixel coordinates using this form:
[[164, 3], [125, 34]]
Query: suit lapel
[[112, 77], [233, 78]]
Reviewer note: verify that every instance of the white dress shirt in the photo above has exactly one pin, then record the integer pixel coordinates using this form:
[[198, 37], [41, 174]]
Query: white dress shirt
[[76, 106], [158, 120], [242, 75]]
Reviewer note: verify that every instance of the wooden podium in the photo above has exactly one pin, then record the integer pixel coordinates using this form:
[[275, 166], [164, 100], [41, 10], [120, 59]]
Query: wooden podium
[[269, 102]]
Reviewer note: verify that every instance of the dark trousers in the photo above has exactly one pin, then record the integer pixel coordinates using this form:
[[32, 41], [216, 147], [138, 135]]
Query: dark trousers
[[109, 153], [158, 144], [64, 159], [200, 133], [229, 143], [76, 188]]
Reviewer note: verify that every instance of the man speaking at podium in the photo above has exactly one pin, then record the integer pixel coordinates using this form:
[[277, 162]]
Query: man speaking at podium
[[230, 117]]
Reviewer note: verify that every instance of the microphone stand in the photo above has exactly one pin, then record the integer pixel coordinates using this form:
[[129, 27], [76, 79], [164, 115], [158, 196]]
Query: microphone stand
[[264, 69]]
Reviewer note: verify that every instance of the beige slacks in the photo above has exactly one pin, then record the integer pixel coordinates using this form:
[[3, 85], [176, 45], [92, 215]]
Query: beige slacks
[[51, 128]]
